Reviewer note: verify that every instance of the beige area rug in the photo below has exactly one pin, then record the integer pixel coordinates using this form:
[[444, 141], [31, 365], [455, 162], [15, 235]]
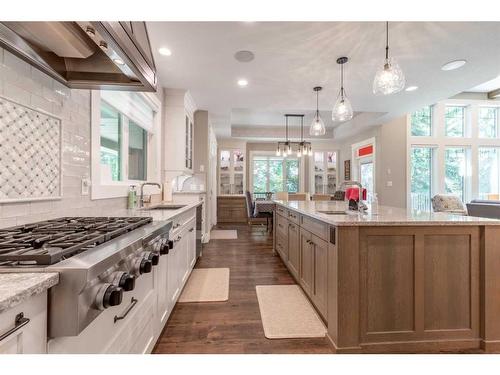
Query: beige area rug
[[218, 234], [206, 285], [286, 313]]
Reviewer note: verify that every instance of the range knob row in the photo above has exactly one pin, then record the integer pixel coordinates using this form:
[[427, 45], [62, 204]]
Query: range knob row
[[108, 295]]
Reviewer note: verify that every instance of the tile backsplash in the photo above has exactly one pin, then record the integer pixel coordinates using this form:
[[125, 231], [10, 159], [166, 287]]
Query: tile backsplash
[[28, 86]]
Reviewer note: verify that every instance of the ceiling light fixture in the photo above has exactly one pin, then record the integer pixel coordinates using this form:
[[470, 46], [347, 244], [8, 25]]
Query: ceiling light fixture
[[342, 110], [389, 79], [244, 56], [285, 148], [411, 88], [452, 65], [318, 126], [242, 82], [165, 51]]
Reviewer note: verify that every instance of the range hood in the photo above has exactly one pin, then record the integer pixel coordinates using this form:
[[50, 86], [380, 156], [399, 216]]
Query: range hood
[[86, 55]]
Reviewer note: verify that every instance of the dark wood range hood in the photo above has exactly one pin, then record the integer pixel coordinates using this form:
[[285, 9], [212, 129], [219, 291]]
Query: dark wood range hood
[[86, 55]]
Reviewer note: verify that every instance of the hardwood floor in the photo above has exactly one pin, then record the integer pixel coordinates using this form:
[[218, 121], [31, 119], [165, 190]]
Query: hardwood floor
[[234, 326]]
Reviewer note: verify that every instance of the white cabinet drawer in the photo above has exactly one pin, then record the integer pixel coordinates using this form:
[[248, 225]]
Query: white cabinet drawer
[[30, 338]]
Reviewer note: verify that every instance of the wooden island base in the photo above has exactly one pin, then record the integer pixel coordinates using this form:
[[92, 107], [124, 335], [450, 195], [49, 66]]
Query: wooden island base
[[398, 288]]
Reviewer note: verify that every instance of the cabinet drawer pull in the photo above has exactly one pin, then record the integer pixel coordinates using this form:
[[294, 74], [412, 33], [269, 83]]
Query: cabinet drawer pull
[[133, 302], [19, 322]]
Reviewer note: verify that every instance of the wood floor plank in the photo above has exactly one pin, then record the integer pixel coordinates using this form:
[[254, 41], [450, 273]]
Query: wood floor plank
[[234, 326]]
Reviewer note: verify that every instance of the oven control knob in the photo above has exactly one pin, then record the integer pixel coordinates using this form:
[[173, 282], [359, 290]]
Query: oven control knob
[[154, 257], [164, 247], [127, 282], [108, 295], [170, 244], [142, 265]]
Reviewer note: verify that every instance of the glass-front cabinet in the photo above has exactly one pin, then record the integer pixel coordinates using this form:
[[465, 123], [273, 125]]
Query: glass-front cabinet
[[324, 172], [231, 171]]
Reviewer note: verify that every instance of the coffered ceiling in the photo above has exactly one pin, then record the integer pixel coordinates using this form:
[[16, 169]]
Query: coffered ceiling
[[293, 57]]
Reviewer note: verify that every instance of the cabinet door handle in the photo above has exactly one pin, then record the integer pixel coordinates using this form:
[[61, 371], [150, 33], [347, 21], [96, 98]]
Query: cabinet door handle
[[19, 322], [133, 302]]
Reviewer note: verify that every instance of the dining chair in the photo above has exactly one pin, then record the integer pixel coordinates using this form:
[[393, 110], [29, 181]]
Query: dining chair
[[253, 217], [281, 195], [298, 197], [321, 197]]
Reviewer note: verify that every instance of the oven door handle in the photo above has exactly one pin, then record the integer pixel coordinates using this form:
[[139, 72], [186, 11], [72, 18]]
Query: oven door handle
[[133, 302], [19, 323]]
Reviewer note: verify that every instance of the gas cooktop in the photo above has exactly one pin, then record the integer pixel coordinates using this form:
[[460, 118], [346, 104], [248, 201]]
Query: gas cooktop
[[48, 242]]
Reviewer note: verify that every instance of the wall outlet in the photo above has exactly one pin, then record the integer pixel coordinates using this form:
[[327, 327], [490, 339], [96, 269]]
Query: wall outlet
[[389, 183], [85, 186]]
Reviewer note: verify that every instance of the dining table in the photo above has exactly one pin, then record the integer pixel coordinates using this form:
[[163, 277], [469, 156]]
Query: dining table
[[264, 206]]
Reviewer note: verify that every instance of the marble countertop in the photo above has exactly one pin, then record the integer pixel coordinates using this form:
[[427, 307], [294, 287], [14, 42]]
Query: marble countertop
[[159, 214], [18, 287], [190, 192], [386, 215]]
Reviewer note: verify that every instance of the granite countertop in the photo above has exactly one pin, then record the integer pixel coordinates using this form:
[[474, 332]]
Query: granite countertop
[[386, 215], [18, 287], [190, 192]]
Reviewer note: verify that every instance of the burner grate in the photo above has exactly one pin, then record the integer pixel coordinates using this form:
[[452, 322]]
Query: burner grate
[[51, 241]]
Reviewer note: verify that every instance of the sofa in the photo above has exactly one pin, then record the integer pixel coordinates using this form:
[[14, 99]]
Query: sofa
[[484, 208]]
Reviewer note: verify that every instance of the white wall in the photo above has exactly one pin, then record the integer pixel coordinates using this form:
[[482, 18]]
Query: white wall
[[28, 86]]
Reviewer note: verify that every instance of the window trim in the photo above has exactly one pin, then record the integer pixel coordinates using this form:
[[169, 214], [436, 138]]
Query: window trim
[[273, 154], [116, 189]]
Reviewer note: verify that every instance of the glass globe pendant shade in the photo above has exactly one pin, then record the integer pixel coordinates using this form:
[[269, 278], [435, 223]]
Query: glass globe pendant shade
[[342, 110], [317, 127], [389, 79]]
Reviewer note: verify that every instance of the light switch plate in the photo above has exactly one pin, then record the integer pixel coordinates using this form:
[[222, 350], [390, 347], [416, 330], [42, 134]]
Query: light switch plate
[[85, 186]]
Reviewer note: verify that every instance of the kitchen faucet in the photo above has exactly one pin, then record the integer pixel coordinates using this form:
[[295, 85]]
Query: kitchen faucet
[[361, 206], [141, 200]]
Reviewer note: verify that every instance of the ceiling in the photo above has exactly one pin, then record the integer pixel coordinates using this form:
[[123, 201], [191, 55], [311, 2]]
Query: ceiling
[[293, 57], [492, 85]]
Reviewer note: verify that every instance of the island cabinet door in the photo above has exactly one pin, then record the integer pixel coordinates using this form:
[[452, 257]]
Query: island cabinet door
[[306, 271], [320, 282], [293, 249]]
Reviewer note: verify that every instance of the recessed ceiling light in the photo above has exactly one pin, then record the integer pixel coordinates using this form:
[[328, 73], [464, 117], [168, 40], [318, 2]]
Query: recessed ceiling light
[[242, 82], [119, 61], [165, 51], [411, 88], [244, 56], [452, 65]]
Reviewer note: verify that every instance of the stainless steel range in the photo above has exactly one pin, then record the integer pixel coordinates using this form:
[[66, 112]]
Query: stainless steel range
[[97, 258]]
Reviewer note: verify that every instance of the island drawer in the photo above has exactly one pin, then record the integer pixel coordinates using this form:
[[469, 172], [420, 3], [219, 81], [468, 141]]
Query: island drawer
[[293, 216], [281, 226], [281, 211], [282, 246], [316, 227]]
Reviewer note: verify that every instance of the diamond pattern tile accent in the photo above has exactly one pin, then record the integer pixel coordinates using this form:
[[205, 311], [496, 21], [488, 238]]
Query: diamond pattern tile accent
[[30, 149]]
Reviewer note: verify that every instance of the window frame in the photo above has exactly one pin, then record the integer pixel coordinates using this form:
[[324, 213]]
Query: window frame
[[271, 154], [114, 189]]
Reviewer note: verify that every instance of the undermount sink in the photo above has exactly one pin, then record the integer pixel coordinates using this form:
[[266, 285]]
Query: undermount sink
[[332, 212], [166, 207]]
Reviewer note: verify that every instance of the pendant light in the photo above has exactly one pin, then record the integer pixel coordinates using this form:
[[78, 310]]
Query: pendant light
[[342, 110], [318, 126], [286, 147], [389, 79]]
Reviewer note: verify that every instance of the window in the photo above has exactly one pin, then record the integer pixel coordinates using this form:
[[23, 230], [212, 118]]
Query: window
[[489, 171], [456, 171], [366, 173], [421, 177], [273, 174], [488, 122], [454, 121], [117, 130], [137, 152], [421, 122], [111, 140]]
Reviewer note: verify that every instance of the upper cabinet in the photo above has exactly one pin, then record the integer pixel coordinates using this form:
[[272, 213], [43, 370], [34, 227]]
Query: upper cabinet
[[324, 172], [178, 131], [231, 171]]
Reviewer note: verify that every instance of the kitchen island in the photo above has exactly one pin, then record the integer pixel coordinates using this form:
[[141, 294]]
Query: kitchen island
[[397, 281]]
